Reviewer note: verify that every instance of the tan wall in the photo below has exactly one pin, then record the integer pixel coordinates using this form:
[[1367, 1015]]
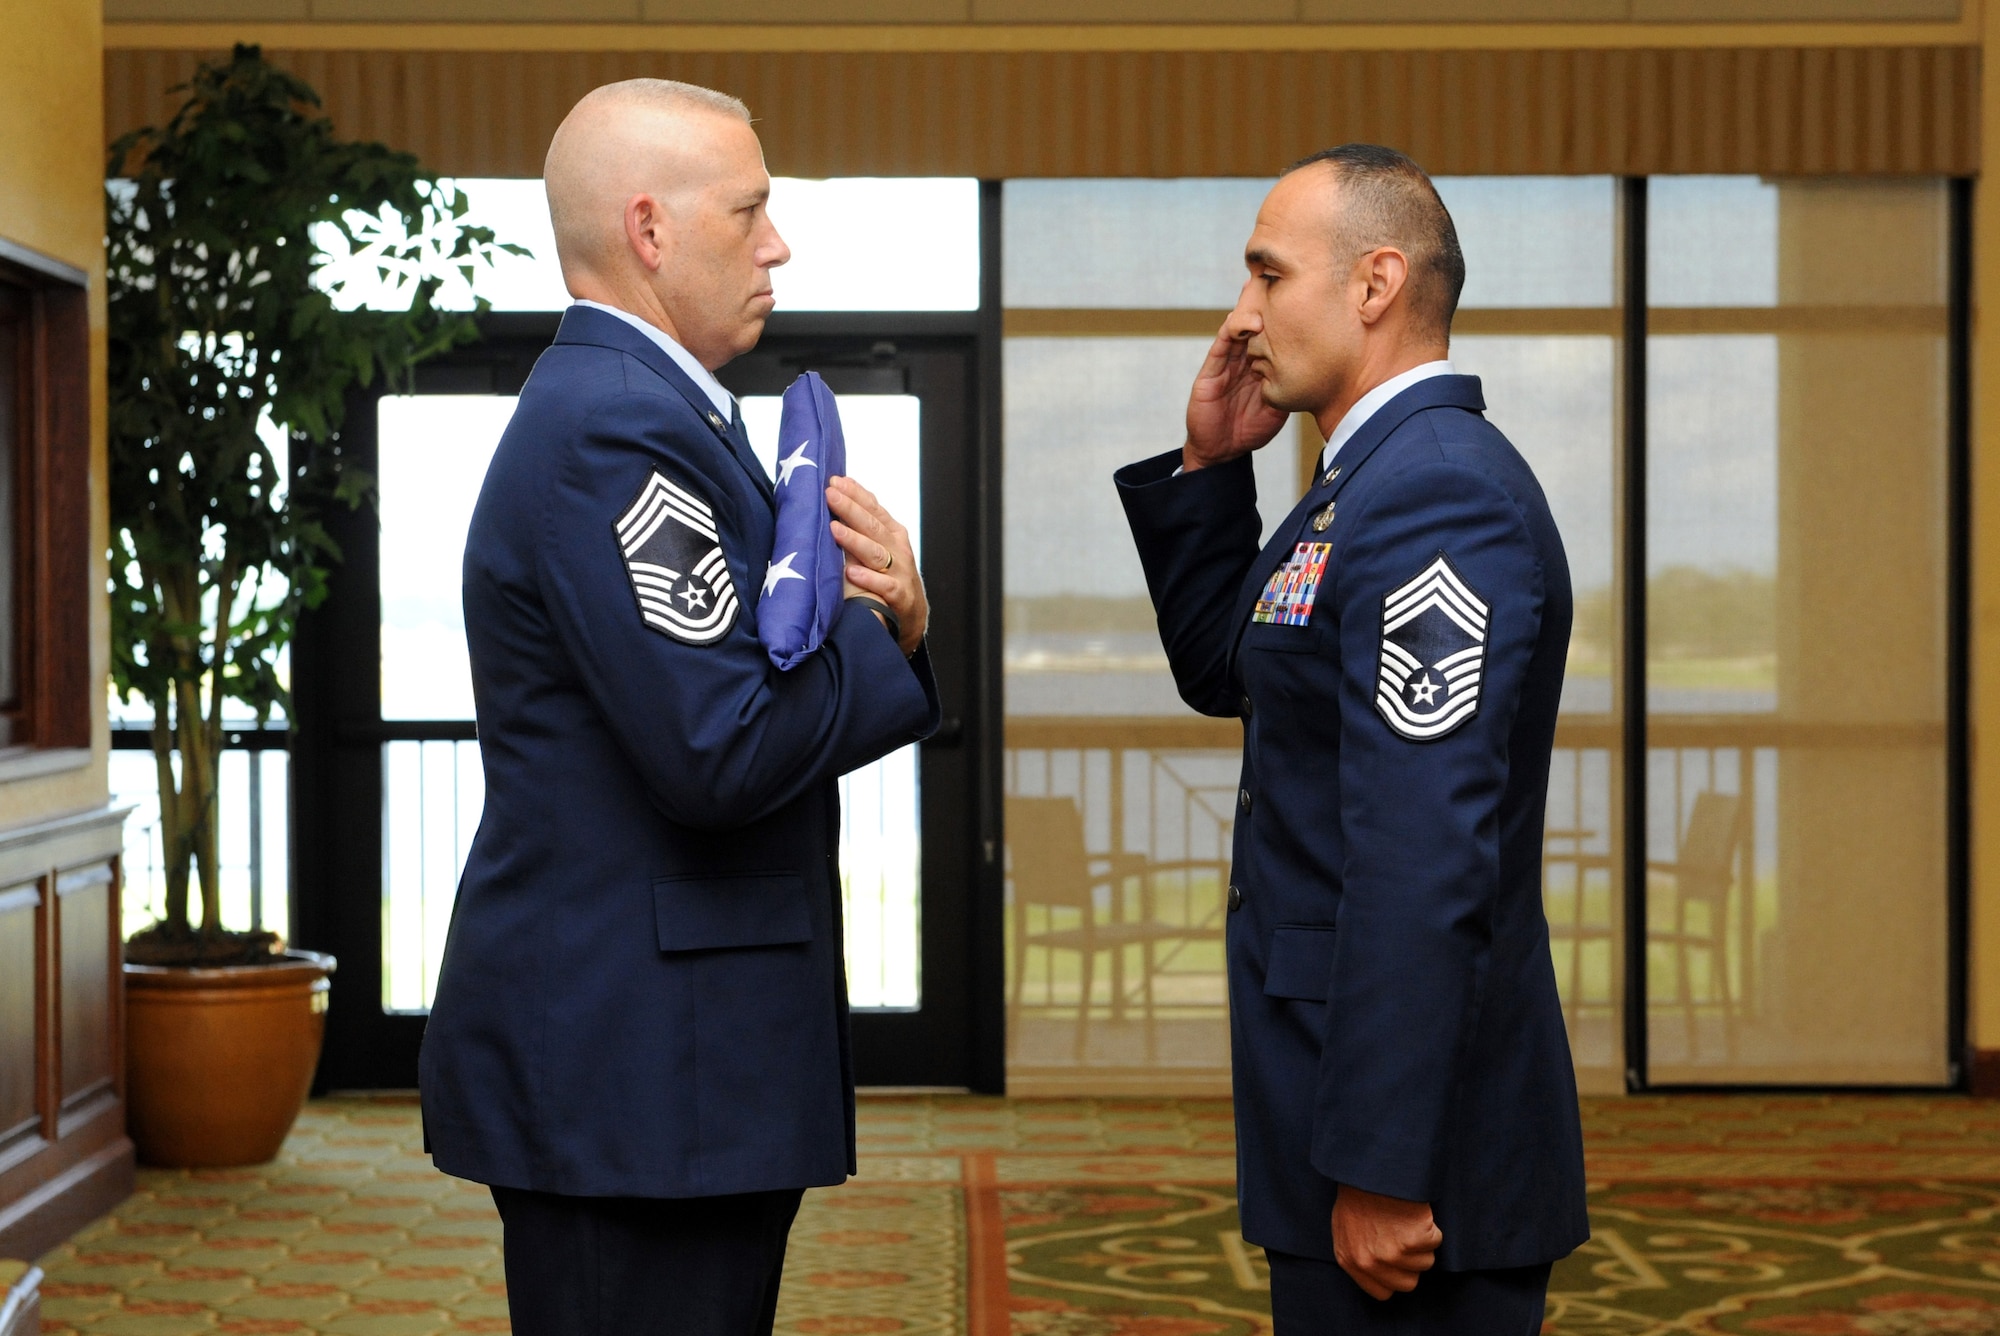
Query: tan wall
[[1985, 616], [52, 201], [1040, 11]]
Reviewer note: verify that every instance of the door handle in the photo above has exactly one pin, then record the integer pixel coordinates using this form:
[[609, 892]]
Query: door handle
[[950, 733]]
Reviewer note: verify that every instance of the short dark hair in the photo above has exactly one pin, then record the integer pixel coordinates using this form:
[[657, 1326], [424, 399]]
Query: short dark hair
[[1389, 201]]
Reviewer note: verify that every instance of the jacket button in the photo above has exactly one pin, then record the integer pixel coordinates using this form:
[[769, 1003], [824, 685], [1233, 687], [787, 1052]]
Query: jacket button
[[1243, 799], [1246, 706], [1235, 898]]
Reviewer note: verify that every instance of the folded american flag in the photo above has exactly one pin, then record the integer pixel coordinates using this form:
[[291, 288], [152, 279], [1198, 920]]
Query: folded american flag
[[801, 595]]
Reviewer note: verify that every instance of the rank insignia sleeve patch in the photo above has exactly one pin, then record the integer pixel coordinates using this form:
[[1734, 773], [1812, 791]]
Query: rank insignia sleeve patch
[[674, 560], [1433, 653]]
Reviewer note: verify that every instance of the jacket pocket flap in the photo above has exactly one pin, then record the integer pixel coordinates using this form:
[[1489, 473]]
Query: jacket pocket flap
[[705, 913], [1282, 638], [1300, 964]]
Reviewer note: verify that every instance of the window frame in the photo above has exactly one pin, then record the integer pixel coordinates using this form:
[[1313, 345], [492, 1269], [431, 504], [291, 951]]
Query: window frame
[[54, 596]]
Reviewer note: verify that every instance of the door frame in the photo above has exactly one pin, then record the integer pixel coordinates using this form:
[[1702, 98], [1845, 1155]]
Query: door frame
[[932, 1046]]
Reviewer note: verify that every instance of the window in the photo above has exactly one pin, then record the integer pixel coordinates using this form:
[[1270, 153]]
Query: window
[[45, 555], [1795, 558], [858, 244], [1796, 631], [16, 375], [1120, 800], [1538, 325]]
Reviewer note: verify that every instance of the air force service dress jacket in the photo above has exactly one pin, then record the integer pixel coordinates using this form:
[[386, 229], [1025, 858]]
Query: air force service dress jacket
[[1396, 654], [642, 992]]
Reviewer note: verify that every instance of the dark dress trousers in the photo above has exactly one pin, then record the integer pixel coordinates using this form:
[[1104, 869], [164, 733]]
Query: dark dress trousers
[[642, 994], [1310, 1297], [623, 1266], [1396, 655]]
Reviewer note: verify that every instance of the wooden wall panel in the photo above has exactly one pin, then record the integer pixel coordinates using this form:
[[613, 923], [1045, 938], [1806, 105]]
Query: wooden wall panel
[[71, 1161], [1775, 110], [20, 977], [90, 956]]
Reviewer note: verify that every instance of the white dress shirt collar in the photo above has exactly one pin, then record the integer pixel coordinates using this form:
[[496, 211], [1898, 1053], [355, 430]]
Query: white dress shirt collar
[[725, 404], [1370, 403]]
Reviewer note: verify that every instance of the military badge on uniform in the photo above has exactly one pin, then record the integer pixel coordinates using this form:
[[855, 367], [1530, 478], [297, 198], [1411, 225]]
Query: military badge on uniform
[[674, 560], [1293, 588], [1433, 650]]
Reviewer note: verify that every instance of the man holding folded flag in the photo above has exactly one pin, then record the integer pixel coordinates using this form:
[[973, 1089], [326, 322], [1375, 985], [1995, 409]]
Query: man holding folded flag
[[640, 1035]]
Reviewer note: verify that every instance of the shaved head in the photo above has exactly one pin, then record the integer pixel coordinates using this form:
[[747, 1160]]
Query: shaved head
[[656, 192], [1355, 272], [638, 136], [1382, 198]]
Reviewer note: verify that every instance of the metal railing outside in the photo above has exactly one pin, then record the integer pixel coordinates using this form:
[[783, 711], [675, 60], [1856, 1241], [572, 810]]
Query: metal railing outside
[[254, 809]]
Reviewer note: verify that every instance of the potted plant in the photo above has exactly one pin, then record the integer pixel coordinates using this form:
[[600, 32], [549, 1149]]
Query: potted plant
[[228, 335]]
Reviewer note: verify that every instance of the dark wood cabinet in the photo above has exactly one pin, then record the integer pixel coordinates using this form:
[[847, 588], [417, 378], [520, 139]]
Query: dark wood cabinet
[[64, 1155]]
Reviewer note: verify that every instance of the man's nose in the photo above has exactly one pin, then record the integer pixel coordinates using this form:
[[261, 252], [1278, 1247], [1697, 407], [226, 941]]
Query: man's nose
[[774, 251], [1246, 318]]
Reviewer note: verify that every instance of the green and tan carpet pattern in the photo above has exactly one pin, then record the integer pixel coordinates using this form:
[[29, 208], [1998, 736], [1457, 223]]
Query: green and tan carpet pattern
[[1857, 1216]]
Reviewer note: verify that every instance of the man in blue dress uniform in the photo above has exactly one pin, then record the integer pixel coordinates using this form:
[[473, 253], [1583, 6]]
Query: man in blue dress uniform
[[1410, 1154], [640, 1035]]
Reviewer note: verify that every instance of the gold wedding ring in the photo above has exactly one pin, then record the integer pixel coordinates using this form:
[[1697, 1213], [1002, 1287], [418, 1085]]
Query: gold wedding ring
[[887, 564]]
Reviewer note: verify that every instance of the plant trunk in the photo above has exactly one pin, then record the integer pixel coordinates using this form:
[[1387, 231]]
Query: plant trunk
[[196, 740], [174, 846], [188, 809]]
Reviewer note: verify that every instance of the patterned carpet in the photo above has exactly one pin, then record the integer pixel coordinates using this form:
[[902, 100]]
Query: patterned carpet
[[1875, 1216]]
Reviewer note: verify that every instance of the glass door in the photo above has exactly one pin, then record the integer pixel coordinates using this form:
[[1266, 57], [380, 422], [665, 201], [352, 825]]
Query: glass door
[[434, 449], [387, 785], [390, 784], [909, 854], [881, 838]]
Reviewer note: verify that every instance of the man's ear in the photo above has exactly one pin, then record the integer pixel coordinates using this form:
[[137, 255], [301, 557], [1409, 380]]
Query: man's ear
[[646, 230], [1386, 272]]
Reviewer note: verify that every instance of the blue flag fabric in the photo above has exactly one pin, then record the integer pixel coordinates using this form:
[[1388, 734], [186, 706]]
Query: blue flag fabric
[[801, 595]]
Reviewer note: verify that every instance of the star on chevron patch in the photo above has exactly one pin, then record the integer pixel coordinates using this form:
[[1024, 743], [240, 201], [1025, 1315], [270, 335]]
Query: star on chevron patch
[[1433, 653], [674, 560]]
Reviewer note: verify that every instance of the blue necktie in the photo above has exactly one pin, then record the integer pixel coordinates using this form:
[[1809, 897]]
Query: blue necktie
[[739, 441]]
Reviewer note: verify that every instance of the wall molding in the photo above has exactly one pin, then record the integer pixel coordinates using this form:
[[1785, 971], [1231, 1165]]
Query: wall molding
[[1027, 37]]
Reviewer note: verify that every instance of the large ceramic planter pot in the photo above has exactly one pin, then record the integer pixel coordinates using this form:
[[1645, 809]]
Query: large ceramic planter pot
[[219, 1061]]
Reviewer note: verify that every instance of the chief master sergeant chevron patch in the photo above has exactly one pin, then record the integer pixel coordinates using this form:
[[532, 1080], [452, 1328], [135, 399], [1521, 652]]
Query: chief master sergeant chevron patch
[[674, 560], [1433, 651]]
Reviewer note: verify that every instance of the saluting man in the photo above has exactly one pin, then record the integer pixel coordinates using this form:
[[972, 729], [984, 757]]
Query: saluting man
[[1411, 1155], [640, 1036]]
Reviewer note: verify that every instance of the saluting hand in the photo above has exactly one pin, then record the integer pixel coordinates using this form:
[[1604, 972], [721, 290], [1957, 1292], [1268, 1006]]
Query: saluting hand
[[880, 562], [1226, 415], [1385, 1243]]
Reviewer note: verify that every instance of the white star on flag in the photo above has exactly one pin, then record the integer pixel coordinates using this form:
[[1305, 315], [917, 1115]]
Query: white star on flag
[[793, 463], [780, 571]]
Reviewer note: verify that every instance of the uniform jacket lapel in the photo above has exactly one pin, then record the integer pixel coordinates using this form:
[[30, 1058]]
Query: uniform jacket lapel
[[580, 324], [1437, 392]]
